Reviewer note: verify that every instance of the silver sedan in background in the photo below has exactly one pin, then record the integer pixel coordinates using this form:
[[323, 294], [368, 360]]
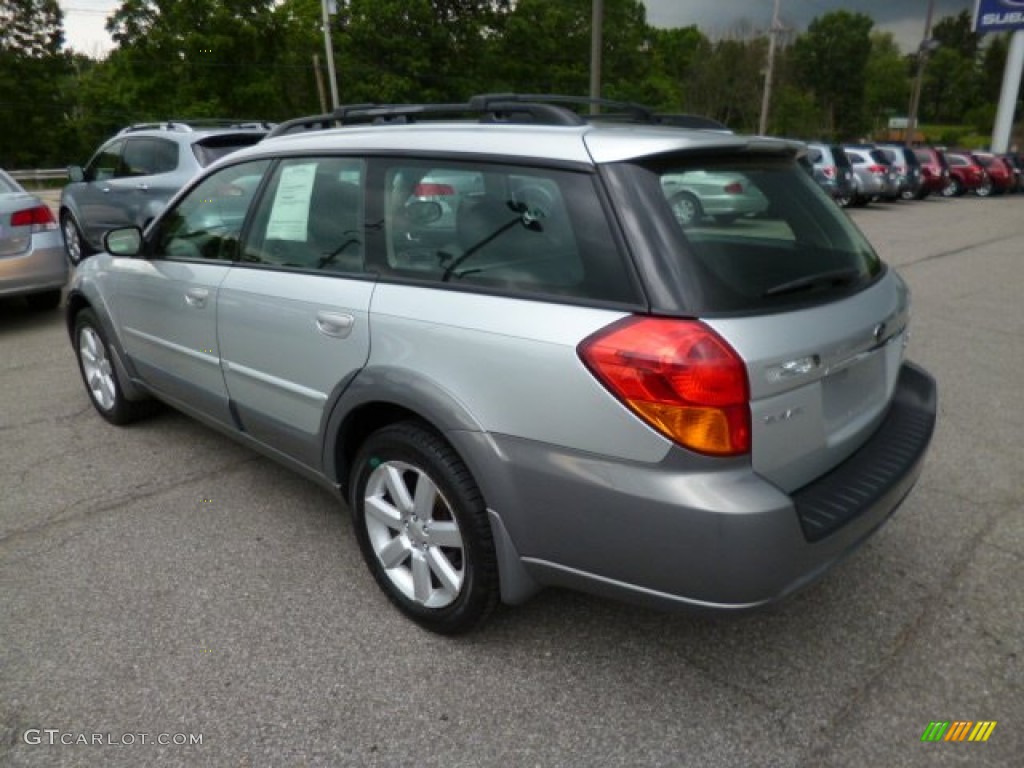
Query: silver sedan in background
[[32, 262]]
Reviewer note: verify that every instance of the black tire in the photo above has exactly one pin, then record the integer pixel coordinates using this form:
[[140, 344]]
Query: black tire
[[92, 350], [408, 454], [76, 247], [686, 208], [43, 302]]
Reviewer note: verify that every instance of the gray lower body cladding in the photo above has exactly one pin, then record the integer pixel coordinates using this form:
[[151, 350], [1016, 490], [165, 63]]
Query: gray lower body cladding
[[666, 536]]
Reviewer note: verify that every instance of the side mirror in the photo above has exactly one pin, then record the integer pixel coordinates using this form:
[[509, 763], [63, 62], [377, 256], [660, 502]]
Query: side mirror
[[75, 173], [123, 242]]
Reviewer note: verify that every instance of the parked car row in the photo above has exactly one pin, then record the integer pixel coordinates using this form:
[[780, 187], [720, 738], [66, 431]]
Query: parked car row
[[857, 174]]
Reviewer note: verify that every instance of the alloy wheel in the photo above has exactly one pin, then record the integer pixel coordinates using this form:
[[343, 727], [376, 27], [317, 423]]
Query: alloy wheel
[[99, 374], [414, 534]]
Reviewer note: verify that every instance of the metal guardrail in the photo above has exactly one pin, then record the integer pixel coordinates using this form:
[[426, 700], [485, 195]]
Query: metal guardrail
[[40, 174]]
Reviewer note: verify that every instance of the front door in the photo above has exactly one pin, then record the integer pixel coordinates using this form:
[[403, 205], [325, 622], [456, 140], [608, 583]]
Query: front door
[[167, 302]]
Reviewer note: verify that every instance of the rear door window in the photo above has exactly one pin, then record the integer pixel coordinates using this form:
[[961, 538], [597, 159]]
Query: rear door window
[[514, 230], [761, 234], [148, 156]]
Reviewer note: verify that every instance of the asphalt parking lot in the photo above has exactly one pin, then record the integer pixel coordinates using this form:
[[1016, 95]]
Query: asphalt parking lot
[[160, 583]]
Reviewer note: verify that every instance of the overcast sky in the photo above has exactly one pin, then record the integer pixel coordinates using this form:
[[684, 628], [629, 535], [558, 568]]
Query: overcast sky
[[84, 19]]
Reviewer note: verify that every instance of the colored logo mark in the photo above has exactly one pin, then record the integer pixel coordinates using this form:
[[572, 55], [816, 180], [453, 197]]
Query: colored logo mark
[[958, 730]]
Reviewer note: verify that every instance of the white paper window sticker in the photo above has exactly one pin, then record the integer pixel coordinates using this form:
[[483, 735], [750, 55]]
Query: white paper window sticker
[[289, 216]]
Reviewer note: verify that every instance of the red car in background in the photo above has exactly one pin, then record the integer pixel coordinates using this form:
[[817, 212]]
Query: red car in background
[[966, 175], [934, 169], [999, 170]]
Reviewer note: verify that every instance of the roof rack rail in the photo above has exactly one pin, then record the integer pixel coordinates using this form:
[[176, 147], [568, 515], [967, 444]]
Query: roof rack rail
[[539, 108], [193, 124], [487, 107]]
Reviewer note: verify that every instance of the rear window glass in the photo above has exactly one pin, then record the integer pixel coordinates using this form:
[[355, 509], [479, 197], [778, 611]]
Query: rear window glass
[[762, 233], [215, 147]]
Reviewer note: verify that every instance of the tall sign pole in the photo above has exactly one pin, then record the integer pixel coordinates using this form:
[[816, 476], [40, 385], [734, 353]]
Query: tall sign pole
[[767, 96], [330, 50], [922, 56], [1008, 95], [596, 37]]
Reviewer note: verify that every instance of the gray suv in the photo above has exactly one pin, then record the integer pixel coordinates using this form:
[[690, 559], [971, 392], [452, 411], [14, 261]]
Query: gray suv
[[133, 175], [547, 379]]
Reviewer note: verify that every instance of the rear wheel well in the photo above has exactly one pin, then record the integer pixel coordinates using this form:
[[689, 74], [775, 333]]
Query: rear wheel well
[[75, 304], [362, 423]]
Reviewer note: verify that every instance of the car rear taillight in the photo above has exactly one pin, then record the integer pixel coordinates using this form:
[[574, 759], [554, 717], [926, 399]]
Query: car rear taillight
[[40, 218], [878, 170], [432, 189], [735, 188], [829, 171], [679, 376]]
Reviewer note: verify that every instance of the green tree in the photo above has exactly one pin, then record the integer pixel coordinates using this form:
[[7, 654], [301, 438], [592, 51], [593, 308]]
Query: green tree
[[726, 82], [197, 58], [948, 91], [672, 56], [954, 34], [416, 50], [32, 73], [546, 48], [887, 80], [830, 60]]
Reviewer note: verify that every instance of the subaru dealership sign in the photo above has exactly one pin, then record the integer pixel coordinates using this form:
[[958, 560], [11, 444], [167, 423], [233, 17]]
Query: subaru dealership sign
[[998, 15]]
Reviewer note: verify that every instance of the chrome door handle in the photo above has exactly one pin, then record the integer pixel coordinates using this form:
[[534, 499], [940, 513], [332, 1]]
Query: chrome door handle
[[142, 187], [335, 324], [104, 190], [196, 297]]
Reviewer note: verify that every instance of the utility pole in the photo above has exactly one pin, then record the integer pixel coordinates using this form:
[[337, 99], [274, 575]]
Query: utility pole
[[922, 55], [319, 82], [330, 51], [596, 39], [767, 97]]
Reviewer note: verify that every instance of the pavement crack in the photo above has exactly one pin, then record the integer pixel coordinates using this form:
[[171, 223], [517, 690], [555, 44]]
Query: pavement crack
[[956, 251], [87, 507], [47, 420]]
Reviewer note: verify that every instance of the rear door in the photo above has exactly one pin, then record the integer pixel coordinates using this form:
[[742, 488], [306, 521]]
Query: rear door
[[144, 182], [293, 317]]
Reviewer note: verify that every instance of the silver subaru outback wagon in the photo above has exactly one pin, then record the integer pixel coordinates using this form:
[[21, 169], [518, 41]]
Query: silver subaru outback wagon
[[487, 327]]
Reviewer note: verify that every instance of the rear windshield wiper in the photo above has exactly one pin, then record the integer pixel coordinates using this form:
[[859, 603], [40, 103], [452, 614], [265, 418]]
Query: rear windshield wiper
[[838, 278]]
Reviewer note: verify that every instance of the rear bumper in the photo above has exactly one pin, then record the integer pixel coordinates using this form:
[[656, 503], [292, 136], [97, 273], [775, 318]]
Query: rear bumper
[[692, 531], [42, 267]]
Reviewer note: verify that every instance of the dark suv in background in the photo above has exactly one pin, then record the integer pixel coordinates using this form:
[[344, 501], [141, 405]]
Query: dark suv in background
[[831, 168], [908, 171], [133, 175]]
